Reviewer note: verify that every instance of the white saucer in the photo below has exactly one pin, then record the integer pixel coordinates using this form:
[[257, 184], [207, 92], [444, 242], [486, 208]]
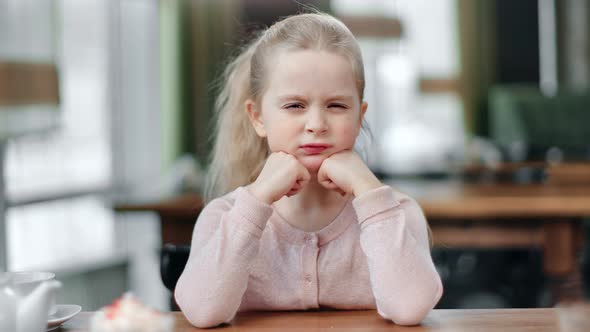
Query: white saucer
[[64, 312]]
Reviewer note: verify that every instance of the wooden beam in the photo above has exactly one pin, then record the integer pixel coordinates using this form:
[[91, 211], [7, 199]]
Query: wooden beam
[[373, 27], [28, 83], [437, 85], [480, 236]]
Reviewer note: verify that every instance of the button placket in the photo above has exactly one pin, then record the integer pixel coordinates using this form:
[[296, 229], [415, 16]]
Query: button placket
[[310, 270]]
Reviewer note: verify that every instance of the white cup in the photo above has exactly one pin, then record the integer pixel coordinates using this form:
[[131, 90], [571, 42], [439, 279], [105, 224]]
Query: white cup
[[25, 282]]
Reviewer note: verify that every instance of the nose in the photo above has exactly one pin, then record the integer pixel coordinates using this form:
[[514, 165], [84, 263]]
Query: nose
[[316, 122]]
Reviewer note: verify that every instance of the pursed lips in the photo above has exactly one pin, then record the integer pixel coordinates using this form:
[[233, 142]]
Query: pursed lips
[[314, 148]]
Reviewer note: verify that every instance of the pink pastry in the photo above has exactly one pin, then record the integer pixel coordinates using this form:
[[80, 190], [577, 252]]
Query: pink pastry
[[127, 314]]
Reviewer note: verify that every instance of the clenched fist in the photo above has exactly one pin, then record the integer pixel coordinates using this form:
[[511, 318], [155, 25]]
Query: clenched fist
[[345, 172], [281, 175]]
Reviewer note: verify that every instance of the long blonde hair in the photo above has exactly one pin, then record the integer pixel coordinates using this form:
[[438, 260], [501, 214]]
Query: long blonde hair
[[239, 153]]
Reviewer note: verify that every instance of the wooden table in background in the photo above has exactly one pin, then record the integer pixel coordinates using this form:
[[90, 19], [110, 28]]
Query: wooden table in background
[[464, 215], [505, 320], [507, 215], [177, 215]]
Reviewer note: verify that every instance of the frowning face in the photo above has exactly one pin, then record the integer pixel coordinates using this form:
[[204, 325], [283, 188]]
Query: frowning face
[[310, 108]]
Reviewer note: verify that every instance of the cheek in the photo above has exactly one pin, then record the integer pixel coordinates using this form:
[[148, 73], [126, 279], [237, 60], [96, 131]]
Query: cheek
[[280, 134], [347, 134]]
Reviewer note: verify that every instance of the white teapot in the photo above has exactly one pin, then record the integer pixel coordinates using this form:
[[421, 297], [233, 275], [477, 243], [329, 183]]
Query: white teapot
[[24, 306]]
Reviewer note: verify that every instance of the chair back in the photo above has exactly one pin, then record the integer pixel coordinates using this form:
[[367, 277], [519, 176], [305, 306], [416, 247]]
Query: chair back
[[173, 258], [526, 124]]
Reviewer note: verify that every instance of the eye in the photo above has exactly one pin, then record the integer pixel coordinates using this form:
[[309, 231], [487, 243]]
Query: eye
[[341, 106], [295, 106]]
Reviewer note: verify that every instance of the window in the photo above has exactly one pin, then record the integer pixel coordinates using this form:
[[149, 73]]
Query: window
[[416, 124], [74, 159]]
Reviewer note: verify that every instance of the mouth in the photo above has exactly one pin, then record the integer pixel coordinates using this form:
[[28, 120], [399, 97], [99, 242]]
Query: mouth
[[314, 148]]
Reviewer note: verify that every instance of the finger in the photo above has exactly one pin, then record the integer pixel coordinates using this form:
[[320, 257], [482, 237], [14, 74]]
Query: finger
[[328, 184], [323, 176], [325, 180], [303, 176], [299, 186], [296, 185], [334, 187], [304, 173]]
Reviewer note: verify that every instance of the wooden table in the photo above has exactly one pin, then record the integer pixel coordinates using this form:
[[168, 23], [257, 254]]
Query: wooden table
[[507, 215], [457, 199], [538, 320], [177, 215]]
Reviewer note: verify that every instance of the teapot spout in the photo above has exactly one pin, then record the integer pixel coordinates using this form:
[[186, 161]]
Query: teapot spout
[[33, 310]]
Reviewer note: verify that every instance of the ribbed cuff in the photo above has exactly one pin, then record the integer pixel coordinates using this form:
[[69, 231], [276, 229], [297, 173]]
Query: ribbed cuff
[[252, 209], [374, 202]]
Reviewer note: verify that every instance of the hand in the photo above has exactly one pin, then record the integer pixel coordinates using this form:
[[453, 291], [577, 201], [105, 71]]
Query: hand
[[345, 172], [281, 175]]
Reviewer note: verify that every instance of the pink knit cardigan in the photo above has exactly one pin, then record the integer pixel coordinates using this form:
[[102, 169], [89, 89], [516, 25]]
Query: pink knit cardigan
[[374, 254]]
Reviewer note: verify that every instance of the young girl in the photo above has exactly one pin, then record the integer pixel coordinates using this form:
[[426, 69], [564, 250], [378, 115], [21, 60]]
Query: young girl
[[302, 222]]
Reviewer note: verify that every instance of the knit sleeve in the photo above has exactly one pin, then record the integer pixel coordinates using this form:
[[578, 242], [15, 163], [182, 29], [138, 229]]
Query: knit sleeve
[[394, 238], [224, 246]]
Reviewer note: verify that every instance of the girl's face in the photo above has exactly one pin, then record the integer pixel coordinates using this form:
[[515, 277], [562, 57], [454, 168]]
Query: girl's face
[[311, 108]]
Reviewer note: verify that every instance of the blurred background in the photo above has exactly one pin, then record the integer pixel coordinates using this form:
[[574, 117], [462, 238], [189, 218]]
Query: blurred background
[[106, 113]]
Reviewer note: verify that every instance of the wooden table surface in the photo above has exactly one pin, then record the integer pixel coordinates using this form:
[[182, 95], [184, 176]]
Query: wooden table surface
[[459, 200], [538, 320]]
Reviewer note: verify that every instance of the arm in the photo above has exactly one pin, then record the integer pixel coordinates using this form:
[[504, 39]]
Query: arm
[[226, 239], [225, 243], [394, 238]]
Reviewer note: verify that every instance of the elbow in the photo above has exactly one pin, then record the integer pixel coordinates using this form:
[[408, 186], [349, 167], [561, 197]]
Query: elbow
[[408, 317], [405, 315], [204, 314], [205, 318], [411, 313]]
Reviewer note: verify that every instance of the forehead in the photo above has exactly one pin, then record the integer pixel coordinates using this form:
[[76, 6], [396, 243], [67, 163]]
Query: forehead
[[309, 72]]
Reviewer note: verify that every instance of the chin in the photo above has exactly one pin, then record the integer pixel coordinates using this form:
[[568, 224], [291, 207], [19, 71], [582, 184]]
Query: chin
[[312, 164]]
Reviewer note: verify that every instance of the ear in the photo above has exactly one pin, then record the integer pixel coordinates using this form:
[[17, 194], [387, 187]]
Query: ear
[[364, 106], [255, 117]]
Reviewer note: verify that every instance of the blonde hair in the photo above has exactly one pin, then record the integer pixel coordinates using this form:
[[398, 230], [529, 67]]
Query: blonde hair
[[239, 153]]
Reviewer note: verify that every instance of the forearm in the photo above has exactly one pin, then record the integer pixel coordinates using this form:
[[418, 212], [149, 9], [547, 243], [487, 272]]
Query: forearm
[[210, 289], [404, 280], [405, 283]]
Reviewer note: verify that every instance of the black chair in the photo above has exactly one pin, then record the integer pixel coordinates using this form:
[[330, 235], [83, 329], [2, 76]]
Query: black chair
[[173, 258]]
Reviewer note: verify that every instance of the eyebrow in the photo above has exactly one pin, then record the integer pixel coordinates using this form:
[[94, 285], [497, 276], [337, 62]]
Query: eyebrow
[[290, 97], [331, 98]]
